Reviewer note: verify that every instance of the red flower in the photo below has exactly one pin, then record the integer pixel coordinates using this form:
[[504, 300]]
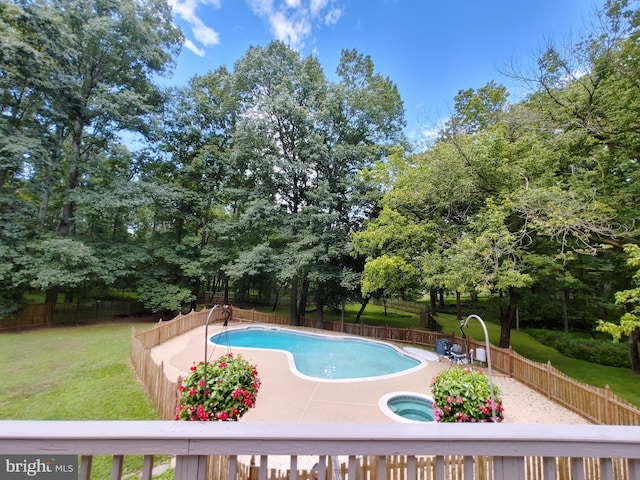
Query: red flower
[[223, 415]]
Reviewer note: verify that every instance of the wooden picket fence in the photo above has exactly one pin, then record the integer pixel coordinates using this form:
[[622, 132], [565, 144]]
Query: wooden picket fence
[[400, 467], [597, 405], [32, 316], [59, 314]]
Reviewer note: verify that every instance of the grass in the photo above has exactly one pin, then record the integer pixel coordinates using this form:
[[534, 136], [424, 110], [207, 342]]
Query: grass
[[74, 373], [373, 315]]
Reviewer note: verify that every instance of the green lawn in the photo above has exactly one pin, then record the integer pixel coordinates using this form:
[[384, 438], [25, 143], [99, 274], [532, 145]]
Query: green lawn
[[73, 373]]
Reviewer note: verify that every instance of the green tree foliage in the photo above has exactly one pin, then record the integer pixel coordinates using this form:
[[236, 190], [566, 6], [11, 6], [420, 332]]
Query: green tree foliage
[[301, 142], [531, 202], [387, 276], [629, 324], [192, 163], [74, 75]]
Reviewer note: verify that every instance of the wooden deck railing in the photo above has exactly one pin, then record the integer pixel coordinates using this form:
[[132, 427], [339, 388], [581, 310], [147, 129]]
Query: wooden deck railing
[[457, 451]]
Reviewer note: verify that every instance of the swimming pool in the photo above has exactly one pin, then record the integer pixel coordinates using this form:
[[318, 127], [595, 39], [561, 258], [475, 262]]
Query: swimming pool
[[323, 357]]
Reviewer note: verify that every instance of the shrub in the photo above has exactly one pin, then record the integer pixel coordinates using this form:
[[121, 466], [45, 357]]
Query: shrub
[[464, 395], [600, 351], [232, 386]]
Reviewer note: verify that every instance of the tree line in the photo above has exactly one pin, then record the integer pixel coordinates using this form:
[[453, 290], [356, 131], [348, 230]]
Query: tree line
[[270, 177]]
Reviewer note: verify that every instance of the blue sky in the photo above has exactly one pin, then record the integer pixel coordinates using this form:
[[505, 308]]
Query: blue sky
[[429, 48]]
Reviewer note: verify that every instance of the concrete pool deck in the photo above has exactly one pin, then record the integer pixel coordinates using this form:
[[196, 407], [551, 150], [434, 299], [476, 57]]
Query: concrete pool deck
[[286, 397]]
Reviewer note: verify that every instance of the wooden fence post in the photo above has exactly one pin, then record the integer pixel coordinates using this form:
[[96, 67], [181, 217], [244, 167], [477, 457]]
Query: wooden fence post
[[607, 405], [511, 361], [549, 379]]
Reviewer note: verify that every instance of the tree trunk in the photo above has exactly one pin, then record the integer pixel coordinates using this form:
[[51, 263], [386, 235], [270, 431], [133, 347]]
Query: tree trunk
[[293, 308], [506, 318], [634, 357], [304, 298], [44, 207], [433, 298], [458, 306], [46, 196], [196, 294], [363, 305], [474, 297], [51, 296], [565, 310], [441, 297], [319, 308], [65, 227]]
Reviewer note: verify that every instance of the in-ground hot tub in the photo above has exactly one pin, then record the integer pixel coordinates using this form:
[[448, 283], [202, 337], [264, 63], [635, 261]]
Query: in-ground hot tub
[[407, 407]]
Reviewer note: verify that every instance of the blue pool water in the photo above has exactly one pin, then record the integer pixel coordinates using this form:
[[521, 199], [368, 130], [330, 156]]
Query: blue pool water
[[321, 356]]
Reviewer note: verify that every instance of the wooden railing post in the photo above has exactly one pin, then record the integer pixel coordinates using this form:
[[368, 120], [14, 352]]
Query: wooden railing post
[[191, 467]]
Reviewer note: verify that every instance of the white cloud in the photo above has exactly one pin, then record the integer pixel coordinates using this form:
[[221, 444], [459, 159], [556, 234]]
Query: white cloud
[[290, 30], [332, 16], [203, 34], [317, 6], [292, 21], [189, 45], [261, 7]]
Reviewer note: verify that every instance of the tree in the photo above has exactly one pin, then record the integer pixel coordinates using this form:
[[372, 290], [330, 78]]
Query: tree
[[76, 75], [387, 275], [629, 322], [301, 143], [499, 252], [193, 147], [279, 147], [476, 110]]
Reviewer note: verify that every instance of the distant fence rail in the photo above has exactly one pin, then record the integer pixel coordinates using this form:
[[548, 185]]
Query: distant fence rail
[[49, 314], [597, 405], [399, 304]]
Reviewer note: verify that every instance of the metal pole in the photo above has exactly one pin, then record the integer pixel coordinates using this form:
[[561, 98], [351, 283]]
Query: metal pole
[[206, 342], [488, 347]]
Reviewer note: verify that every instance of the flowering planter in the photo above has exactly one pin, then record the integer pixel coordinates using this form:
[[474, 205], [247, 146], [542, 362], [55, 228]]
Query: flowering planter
[[463, 395], [231, 390]]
